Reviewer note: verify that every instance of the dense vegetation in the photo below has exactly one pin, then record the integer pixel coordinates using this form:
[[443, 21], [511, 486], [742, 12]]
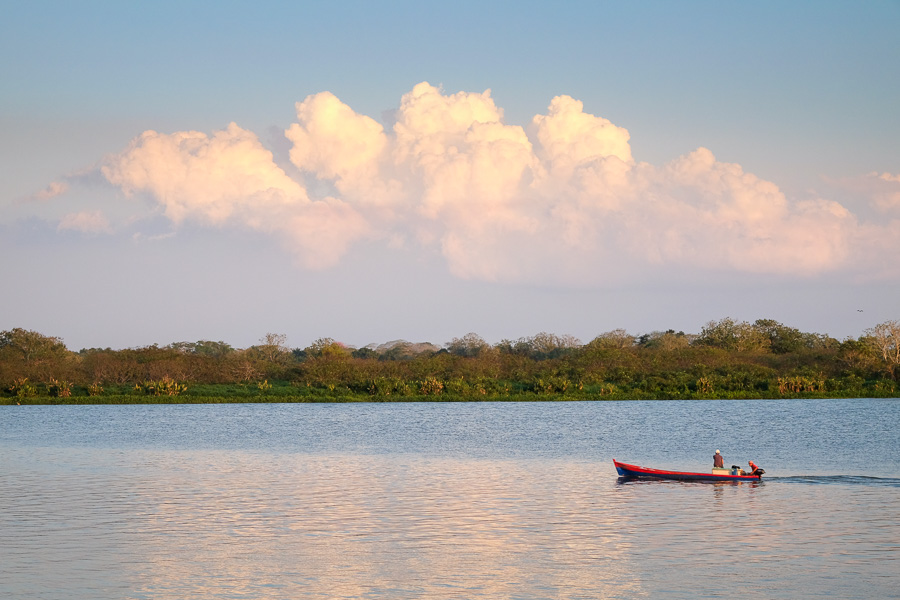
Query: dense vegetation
[[728, 359]]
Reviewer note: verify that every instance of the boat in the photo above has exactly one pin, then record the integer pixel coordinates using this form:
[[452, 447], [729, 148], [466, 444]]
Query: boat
[[735, 473]]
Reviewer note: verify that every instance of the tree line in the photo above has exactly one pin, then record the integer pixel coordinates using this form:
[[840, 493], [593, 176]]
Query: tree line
[[727, 359]]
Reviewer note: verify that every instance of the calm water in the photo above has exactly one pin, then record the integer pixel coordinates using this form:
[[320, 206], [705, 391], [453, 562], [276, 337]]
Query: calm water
[[495, 500]]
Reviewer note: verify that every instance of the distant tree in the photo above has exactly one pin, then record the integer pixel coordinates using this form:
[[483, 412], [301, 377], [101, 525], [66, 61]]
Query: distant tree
[[327, 363], [540, 346], [469, 345], [273, 349], [243, 366], [664, 340], [202, 348], [617, 338], [334, 351], [549, 343], [155, 363], [729, 334], [885, 338], [110, 366], [31, 346], [518, 347], [364, 353], [858, 357], [29, 354], [213, 349], [820, 341], [318, 346], [782, 339]]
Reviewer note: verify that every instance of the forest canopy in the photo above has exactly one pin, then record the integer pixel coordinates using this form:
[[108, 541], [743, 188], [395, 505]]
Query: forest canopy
[[727, 359]]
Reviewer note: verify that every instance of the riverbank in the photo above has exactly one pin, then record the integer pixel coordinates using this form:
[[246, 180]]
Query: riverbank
[[728, 360], [358, 398]]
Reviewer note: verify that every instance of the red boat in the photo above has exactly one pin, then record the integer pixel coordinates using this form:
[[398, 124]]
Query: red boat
[[718, 474]]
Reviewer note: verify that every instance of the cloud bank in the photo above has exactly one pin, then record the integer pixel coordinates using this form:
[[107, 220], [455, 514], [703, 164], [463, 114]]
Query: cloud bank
[[561, 200]]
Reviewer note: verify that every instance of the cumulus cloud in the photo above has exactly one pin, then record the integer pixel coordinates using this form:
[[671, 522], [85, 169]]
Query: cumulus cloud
[[210, 178], [562, 200], [333, 141], [569, 137], [230, 178]]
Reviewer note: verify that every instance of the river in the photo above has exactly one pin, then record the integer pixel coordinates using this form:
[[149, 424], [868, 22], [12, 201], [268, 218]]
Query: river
[[448, 500]]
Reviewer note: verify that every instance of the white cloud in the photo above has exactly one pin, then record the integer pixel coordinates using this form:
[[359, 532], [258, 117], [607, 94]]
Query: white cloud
[[569, 137], [333, 141], [560, 201], [211, 179], [230, 178], [705, 213]]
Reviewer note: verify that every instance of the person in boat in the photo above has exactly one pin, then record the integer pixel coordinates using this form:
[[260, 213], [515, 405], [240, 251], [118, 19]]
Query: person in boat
[[718, 461], [753, 468]]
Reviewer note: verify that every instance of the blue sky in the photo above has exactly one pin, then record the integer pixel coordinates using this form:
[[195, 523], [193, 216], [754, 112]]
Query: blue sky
[[634, 165]]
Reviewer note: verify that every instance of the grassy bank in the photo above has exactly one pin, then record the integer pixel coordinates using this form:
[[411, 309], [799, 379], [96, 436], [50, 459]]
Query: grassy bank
[[728, 360], [290, 394]]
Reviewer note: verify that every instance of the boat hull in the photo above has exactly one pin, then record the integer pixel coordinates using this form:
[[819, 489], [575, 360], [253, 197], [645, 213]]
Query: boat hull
[[634, 471]]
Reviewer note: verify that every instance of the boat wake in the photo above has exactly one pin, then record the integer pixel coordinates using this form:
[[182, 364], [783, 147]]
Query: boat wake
[[839, 480]]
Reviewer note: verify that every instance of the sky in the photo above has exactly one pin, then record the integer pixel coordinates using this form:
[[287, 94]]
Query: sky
[[184, 171]]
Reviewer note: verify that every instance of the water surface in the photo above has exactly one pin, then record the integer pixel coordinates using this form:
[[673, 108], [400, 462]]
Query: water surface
[[493, 500]]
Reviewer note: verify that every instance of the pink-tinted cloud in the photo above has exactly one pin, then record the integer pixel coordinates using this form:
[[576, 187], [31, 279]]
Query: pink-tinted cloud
[[505, 204], [54, 189], [561, 201], [229, 178], [86, 222], [887, 192], [209, 178]]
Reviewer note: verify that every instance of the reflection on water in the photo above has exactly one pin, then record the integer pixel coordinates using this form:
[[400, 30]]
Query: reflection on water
[[468, 501], [226, 524], [235, 525], [841, 480]]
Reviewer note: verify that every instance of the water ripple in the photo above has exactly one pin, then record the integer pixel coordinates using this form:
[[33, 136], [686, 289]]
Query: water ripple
[[279, 518], [863, 480]]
